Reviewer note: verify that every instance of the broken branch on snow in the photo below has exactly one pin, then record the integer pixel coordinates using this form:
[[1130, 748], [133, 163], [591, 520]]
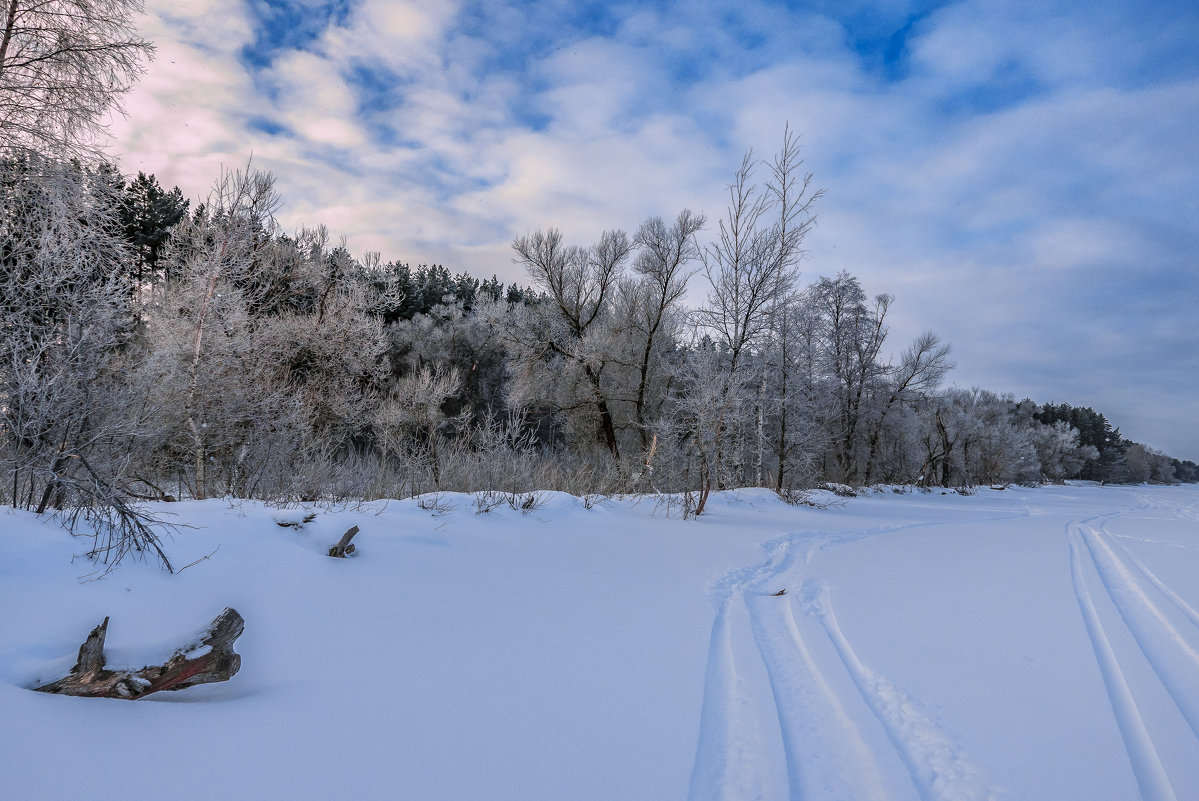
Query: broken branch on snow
[[209, 659]]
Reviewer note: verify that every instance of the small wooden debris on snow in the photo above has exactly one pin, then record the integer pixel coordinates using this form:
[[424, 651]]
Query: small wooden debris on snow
[[344, 546], [292, 522]]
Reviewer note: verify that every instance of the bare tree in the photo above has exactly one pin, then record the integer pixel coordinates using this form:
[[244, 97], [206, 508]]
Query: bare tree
[[581, 283], [754, 261], [662, 267], [921, 369], [753, 265], [852, 333], [64, 64]]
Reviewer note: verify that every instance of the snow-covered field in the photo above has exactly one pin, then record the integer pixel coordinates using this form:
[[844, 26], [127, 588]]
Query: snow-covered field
[[1024, 644]]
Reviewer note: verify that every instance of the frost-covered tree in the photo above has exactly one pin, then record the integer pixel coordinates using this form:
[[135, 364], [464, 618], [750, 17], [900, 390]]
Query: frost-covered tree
[[852, 333], [651, 309], [750, 270], [67, 429], [1145, 464], [265, 342], [64, 65], [974, 437], [1059, 451], [920, 370], [206, 318], [412, 419], [570, 335], [795, 403]]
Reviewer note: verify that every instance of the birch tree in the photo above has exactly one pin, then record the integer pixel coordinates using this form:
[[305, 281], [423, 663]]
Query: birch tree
[[750, 268], [205, 318], [852, 332]]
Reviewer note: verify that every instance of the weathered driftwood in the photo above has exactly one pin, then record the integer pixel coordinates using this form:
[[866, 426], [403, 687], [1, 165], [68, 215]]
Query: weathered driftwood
[[344, 546], [208, 659]]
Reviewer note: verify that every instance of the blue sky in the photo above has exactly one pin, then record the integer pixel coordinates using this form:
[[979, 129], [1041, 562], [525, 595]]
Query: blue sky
[[1023, 177]]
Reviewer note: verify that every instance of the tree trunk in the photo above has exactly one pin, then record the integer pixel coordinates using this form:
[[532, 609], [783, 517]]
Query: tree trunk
[[607, 426], [761, 450], [9, 24]]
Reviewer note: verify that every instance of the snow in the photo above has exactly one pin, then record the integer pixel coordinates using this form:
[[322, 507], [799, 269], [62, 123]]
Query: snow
[[1025, 644]]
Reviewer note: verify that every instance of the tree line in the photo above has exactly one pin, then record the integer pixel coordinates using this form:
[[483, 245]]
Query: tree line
[[198, 352]]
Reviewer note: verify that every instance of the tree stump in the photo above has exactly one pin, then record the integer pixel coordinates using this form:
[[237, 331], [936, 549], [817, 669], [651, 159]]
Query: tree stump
[[344, 546], [208, 659]]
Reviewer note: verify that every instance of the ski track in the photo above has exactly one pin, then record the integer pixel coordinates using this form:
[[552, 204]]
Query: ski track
[[827, 756], [1146, 763], [938, 770], [1128, 557], [1152, 578], [1188, 512], [725, 757], [1164, 626], [1173, 657]]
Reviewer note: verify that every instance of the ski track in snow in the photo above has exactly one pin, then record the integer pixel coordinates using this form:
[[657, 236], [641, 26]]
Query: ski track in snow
[[1163, 625], [934, 762], [1188, 512], [1146, 762], [1171, 646], [827, 752], [725, 757], [1173, 657], [827, 755], [1128, 557], [820, 739]]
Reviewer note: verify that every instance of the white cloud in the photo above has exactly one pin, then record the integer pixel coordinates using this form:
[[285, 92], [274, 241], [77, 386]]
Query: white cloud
[[314, 101], [400, 34], [183, 117]]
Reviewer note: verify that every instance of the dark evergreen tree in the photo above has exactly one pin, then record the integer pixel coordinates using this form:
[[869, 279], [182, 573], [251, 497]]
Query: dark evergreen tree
[[1094, 430], [1186, 471], [492, 289], [148, 213]]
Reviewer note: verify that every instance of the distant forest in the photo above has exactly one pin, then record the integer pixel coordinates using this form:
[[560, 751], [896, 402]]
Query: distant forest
[[152, 350]]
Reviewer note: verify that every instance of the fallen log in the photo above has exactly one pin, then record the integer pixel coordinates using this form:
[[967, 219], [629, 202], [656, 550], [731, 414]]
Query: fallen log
[[344, 546], [209, 659]]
